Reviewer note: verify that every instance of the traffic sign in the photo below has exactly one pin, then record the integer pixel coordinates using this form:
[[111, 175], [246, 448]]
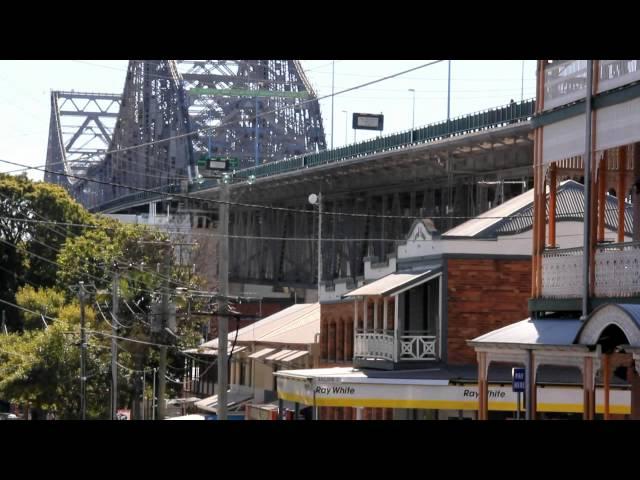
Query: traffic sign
[[518, 375], [368, 121]]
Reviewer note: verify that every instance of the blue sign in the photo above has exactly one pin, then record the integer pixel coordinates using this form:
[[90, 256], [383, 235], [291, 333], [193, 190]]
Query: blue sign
[[518, 379]]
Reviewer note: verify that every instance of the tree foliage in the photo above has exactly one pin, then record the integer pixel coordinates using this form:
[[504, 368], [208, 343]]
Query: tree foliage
[[28, 249]]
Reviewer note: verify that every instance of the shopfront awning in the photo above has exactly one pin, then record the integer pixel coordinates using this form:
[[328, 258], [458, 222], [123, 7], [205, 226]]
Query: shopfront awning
[[234, 399], [437, 388], [393, 284], [188, 417], [294, 356], [530, 332], [279, 355], [261, 353]]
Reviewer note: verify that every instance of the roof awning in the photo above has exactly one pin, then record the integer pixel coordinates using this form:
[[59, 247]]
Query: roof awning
[[188, 417], [234, 399], [280, 354], [261, 353], [293, 356], [530, 332], [436, 389], [394, 283], [212, 351]]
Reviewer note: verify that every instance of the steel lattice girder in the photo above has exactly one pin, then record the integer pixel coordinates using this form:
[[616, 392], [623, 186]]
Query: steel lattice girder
[[230, 93], [80, 131], [153, 118]]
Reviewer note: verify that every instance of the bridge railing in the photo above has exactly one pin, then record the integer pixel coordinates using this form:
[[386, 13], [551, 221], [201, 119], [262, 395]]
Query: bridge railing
[[484, 120], [479, 121], [135, 197]]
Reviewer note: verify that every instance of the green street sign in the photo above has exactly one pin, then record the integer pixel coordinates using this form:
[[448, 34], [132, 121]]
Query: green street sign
[[236, 92], [214, 163]]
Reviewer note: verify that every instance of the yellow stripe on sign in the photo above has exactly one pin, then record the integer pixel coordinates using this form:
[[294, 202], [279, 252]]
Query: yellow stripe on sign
[[442, 404]]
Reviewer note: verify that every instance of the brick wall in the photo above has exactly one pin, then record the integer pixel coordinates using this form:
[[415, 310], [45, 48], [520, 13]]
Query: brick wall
[[483, 295]]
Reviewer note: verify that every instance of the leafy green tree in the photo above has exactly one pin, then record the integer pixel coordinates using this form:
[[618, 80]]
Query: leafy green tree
[[26, 208], [45, 302], [42, 367]]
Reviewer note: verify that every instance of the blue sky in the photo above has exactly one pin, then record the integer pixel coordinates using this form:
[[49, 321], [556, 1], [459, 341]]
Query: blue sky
[[475, 85]]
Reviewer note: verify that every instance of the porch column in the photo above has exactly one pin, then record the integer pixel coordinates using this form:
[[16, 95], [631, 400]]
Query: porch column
[[636, 192], [552, 205], [602, 189], [622, 179], [483, 391], [635, 387], [365, 314], [348, 342], [375, 314], [531, 386], [587, 382], [355, 316], [385, 314], [340, 340], [396, 328], [606, 373]]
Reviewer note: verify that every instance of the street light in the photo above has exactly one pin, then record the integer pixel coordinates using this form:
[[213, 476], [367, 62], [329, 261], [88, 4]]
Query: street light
[[346, 125], [413, 121], [313, 200]]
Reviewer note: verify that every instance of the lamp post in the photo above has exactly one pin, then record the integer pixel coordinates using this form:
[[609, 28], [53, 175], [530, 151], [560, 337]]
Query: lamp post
[[346, 125], [313, 200], [449, 90], [413, 115]]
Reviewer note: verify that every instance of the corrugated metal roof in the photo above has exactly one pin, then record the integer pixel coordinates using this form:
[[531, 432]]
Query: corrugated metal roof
[[485, 221], [518, 214], [261, 353], [444, 375], [210, 404], [633, 310], [295, 324], [534, 332], [279, 354], [392, 283], [297, 354]]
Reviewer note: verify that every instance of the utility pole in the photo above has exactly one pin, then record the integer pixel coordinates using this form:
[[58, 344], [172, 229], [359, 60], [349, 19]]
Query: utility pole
[[114, 344], [4, 323], [144, 373], [153, 402], [83, 355], [333, 82], [319, 243], [162, 381], [449, 90], [223, 322]]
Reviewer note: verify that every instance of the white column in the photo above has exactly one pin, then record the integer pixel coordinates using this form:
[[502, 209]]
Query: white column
[[375, 314], [385, 307], [396, 327], [366, 314], [355, 317]]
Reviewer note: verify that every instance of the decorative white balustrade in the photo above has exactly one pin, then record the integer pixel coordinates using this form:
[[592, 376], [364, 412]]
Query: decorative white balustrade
[[381, 344], [417, 346], [562, 273], [376, 344], [617, 271], [566, 81]]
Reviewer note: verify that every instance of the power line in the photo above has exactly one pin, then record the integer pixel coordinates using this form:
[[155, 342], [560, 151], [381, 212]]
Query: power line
[[265, 113]]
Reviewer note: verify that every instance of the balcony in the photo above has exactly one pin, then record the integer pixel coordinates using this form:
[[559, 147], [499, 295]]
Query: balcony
[[384, 345], [617, 272]]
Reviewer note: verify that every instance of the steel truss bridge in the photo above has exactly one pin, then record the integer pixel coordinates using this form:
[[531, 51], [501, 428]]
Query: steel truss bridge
[[456, 168], [257, 111]]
